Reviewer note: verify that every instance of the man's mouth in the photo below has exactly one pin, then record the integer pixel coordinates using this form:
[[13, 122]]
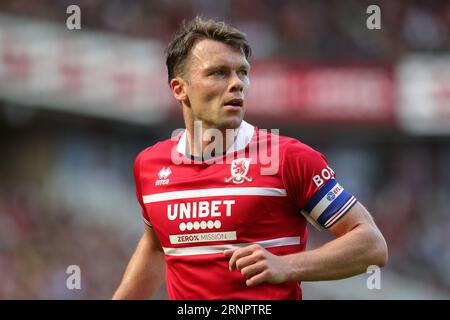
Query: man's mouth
[[236, 102]]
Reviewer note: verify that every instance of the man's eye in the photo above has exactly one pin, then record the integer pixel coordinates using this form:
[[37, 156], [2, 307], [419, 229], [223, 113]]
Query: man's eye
[[218, 73], [243, 72]]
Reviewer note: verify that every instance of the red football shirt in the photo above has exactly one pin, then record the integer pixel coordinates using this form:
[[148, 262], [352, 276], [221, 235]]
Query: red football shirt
[[260, 191]]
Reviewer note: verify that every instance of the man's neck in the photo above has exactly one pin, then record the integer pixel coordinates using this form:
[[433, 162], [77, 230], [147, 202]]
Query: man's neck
[[204, 142]]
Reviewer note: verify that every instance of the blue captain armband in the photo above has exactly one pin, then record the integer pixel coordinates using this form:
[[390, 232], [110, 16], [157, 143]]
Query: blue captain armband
[[330, 203]]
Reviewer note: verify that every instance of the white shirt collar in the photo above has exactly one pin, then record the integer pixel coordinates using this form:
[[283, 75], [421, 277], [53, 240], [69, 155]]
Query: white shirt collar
[[243, 138]]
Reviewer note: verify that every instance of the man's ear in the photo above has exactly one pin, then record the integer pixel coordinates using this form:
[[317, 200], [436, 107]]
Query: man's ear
[[178, 87]]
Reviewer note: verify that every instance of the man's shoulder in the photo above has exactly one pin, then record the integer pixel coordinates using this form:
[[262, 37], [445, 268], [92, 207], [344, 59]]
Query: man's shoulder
[[158, 149]]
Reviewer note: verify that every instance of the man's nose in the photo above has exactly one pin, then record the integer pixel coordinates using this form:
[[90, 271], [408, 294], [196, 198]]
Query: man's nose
[[236, 83]]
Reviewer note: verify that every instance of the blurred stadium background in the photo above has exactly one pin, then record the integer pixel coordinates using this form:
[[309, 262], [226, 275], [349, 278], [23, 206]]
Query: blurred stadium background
[[77, 106]]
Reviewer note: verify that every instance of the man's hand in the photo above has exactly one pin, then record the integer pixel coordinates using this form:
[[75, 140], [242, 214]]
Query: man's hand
[[258, 265]]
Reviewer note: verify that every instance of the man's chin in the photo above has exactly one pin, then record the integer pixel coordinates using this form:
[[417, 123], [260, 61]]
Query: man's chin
[[231, 123]]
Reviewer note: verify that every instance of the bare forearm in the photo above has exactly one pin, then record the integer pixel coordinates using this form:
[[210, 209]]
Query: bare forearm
[[143, 276], [343, 257]]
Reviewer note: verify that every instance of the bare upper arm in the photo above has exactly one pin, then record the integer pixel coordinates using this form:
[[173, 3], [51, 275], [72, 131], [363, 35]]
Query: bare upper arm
[[150, 240], [357, 216]]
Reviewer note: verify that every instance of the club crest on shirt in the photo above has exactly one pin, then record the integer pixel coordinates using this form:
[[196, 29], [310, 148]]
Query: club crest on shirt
[[163, 174], [239, 170]]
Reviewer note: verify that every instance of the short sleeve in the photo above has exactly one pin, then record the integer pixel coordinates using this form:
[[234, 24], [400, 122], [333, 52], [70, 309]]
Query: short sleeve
[[312, 186], [137, 181]]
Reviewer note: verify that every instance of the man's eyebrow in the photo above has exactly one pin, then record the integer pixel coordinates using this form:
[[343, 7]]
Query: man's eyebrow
[[225, 66]]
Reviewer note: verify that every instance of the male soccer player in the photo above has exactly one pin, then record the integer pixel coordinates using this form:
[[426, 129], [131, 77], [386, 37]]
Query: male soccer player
[[220, 226]]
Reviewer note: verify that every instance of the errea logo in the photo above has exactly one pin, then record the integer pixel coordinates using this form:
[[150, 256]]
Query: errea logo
[[163, 174]]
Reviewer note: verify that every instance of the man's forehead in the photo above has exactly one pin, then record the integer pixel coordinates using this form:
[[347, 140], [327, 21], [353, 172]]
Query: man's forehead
[[208, 52]]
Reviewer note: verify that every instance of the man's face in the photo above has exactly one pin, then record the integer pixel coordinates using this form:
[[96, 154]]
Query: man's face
[[217, 83]]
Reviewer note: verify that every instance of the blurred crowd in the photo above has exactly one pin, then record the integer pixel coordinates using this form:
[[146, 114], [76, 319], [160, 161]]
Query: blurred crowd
[[36, 250], [66, 198], [45, 226], [51, 178], [413, 208], [299, 28]]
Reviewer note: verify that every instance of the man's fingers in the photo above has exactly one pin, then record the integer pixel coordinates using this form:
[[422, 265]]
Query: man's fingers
[[229, 252], [253, 269], [257, 279], [246, 261], [239, 253]]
